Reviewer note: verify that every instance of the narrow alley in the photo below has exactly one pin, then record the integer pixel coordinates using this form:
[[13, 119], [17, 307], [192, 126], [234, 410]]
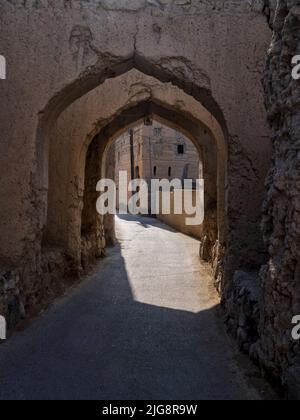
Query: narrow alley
[[144, 324]]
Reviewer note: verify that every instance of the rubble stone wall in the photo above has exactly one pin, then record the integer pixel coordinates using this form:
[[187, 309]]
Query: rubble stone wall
[[277, 351]]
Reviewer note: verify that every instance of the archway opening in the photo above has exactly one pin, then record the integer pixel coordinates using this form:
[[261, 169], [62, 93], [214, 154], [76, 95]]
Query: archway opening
[[72, 223], [130, 142], [133, 155]]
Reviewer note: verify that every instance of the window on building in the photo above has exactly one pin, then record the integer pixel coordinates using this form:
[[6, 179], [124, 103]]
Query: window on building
[[180, 149], [155, 170], [157, 131], [148, 121], [169, 171]]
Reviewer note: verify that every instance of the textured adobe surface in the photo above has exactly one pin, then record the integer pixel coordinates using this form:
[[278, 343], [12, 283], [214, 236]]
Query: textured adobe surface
[[281, 217]]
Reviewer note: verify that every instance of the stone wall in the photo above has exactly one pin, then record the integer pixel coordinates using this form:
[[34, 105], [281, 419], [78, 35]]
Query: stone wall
[[262, 305], [281, 215]]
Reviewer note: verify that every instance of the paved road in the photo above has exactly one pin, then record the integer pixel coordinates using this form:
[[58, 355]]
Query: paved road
[[144, 325]]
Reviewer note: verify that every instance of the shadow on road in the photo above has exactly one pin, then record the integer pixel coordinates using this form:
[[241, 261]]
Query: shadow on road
[[100, 343]]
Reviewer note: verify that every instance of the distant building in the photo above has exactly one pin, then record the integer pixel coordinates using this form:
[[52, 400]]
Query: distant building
[[155, 152]]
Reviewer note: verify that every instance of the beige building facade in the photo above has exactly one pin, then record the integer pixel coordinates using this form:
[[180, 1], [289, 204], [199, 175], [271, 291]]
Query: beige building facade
[[152, 150], [155, 151]]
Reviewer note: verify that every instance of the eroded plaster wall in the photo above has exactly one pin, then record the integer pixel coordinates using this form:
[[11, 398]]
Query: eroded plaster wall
[[281, 215]]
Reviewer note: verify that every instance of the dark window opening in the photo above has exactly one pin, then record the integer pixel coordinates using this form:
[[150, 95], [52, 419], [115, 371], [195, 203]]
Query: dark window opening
[[170, 171], [180, 149], [157, 131], [155, 170], [148, 121]]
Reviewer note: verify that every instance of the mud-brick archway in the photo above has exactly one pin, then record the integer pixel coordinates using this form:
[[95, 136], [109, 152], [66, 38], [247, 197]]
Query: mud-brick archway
[[88, 48], [143, 95], [95, 76], [96, 158]]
